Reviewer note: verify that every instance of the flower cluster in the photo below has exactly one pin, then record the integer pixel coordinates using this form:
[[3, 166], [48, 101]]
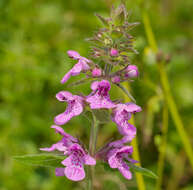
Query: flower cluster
[[111, 49], [116, 152], [77, 156]]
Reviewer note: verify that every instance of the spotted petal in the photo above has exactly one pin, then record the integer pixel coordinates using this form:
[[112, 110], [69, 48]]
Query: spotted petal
[[74, 108], [74, 173]]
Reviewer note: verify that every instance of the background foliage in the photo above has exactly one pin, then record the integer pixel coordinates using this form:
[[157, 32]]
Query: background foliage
[[34, 38]]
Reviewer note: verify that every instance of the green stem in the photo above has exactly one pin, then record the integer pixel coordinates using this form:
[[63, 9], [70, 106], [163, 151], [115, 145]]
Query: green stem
[[92, 149], [167, 93], [126, 92], [162, 149], [134, 143]]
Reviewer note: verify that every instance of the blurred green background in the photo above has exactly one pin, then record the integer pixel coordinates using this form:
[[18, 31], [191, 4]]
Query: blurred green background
[[34, 38]]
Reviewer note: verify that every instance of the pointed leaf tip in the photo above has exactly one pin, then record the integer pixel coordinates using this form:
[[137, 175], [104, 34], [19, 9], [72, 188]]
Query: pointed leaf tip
[[143, 171]]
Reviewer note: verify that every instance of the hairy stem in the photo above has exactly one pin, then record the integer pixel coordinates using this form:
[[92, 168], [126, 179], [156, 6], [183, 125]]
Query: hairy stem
[[92, 149], [162, 149], [167, 92], [126, 92], [134, 143]]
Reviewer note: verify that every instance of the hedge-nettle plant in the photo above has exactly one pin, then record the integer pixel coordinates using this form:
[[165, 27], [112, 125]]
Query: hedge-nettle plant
[[109, 64]]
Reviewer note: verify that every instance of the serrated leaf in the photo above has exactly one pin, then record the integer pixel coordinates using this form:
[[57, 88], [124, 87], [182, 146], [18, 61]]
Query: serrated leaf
[[44, 160], [141, 170], [103, 116]]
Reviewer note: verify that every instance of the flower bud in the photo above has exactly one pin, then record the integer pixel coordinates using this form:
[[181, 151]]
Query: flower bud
[[96, 72], [116, 79], [131, 71], [114, 52]]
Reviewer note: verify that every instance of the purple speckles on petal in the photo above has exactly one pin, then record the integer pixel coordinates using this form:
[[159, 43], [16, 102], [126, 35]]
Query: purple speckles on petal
[[116, 159], [75, 163], [74, 108], [121, 115], [100, 98]]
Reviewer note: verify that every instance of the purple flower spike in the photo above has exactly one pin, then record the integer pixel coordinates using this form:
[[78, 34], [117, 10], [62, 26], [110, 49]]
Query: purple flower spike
[[100, 98], [121, 115], [116, 159], [82, 65], [131, 71], [63, 144], [74, 108], [75, 163]]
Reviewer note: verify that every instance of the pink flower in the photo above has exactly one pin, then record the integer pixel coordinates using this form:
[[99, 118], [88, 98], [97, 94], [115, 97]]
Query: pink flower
[[121, 115], [76, 159], [100, 98], [116, 159], [66, 141], [96, 72], [114, 52], [74, 163], [74, 108], [131, 71], [82, 65]]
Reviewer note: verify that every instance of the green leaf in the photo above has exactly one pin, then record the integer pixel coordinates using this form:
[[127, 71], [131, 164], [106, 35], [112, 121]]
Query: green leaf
[[45, 160], [133, 168], [103, 116], [141, 170], [106, 166]]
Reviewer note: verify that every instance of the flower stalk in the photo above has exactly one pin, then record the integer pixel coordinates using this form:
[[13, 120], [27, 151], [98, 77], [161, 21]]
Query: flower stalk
[[92, 150]]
